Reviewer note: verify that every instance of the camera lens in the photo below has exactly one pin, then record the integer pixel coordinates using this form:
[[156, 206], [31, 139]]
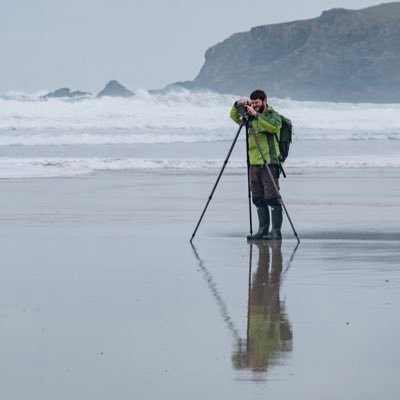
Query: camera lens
[[241, 108]]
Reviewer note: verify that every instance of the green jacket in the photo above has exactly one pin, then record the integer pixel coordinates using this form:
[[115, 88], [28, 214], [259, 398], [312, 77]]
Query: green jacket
[[265, 125]]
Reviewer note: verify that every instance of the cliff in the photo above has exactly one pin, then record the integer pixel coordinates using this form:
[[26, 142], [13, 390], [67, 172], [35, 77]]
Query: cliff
[[343, 55]]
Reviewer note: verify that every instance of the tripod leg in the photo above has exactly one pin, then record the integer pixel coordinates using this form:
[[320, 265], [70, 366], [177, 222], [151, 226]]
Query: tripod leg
[[219, 177], [248, 181]]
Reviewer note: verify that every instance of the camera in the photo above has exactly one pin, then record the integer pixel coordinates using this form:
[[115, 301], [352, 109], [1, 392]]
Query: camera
[[241, 108]]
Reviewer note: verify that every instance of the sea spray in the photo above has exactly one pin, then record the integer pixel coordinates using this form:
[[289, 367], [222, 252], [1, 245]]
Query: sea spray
[[178, 117]]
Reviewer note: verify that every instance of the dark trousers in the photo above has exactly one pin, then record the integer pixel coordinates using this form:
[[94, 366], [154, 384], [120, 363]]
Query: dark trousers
[[261, 186]]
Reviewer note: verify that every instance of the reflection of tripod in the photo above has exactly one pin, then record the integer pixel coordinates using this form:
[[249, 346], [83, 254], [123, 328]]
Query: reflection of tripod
[[246, 122]]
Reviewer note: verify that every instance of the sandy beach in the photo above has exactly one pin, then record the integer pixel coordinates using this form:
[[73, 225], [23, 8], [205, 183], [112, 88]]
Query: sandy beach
[[103, 297]]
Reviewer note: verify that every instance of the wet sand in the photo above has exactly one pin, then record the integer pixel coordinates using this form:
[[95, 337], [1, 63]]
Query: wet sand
[[103, 297]]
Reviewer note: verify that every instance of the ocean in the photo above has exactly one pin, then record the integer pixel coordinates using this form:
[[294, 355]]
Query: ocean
[[181, 130]]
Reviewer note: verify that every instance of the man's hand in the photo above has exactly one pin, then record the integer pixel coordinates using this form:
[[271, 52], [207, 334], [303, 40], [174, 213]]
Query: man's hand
[[244, 101], [251, 111]]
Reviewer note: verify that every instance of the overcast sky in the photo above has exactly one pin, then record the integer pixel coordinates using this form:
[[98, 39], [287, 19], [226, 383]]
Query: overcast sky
[[81, 44]]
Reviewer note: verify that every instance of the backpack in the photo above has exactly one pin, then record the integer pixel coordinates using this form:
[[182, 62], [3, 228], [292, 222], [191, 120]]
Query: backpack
[[285, 138]]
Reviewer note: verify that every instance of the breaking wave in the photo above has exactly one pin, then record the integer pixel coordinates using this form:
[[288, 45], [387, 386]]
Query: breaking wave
[[181, 116]]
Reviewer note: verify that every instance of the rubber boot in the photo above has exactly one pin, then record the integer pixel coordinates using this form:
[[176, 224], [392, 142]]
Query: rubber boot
[[263, 221], [276, 217]]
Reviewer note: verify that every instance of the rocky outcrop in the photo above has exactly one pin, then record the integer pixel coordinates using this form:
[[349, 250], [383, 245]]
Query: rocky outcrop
[[179, 86], [115, 89], [66, 93], [343, 55]]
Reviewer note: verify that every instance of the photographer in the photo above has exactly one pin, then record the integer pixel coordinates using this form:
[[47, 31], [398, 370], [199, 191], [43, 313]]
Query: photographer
[[266, 124]]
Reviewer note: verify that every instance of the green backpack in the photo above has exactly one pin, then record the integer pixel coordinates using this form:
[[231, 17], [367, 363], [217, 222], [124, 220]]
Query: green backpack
[[285, 137]]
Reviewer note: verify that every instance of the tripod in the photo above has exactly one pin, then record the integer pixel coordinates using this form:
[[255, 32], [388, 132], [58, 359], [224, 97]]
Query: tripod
[[246, 123]]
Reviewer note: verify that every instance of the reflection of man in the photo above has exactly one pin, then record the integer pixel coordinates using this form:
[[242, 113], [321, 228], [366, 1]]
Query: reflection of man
[[269, 331]]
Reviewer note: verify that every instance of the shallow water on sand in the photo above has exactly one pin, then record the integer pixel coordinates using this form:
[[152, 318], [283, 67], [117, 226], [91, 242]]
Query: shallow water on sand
[[101, 295]]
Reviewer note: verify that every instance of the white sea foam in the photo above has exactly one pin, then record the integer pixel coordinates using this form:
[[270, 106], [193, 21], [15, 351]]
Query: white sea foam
[[178, 117], [19, 168]]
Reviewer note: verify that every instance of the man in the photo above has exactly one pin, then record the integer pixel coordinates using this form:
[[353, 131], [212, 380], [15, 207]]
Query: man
[[266, 124]]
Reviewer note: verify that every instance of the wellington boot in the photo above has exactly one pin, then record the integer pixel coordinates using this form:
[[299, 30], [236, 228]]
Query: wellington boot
[[263, 221], [276, 216]]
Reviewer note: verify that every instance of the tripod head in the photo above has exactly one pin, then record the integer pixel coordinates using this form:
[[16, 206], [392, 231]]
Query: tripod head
[[247, 118], [242, 111]]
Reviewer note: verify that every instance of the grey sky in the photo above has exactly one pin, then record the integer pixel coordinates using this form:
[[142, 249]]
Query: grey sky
[[81, 44]]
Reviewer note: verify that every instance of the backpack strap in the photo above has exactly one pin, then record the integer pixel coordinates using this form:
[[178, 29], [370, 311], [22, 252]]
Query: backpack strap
[[280, 158]]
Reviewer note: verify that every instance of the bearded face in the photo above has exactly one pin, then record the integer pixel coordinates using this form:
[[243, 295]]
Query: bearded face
[[259, 105]]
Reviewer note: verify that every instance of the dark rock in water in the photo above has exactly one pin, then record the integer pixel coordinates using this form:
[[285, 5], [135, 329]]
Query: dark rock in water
[[179, 86], [115, 89], [78, 93], [343, 55], [65, 92]]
